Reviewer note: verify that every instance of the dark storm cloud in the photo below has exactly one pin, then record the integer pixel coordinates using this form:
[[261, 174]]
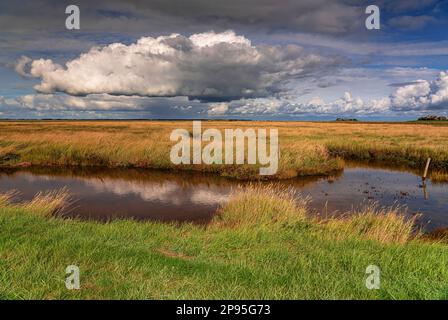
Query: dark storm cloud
[[39, 25], [326, 16], [34, 27]]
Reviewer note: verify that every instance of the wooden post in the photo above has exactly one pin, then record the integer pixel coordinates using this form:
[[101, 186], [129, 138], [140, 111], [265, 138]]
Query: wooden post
[[425, 173], [425, 192]]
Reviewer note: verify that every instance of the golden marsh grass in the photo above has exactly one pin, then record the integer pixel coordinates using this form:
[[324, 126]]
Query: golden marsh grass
[[306, 148]]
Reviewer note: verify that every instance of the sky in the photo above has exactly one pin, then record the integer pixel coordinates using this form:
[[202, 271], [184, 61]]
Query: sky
[[233, 59]]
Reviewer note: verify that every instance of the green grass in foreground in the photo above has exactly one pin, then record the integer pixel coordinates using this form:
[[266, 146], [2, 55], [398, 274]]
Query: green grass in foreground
[[261, 246]]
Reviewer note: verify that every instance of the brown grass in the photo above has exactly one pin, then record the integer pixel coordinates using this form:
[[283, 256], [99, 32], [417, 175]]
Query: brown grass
[[5, 198], [437, 176], [307, 148], [44, 203], [49, 203]]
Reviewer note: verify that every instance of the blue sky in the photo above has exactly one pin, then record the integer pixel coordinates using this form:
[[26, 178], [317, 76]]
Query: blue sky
[[253, 59]]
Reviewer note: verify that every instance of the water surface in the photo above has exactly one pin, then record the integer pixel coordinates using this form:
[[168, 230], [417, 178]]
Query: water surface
[[166, 196]]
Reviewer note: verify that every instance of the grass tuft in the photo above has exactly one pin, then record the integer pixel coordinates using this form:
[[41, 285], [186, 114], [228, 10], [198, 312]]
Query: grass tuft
[[261, 206], [49, 203], [257, 205], [5, 198], [385, 225]]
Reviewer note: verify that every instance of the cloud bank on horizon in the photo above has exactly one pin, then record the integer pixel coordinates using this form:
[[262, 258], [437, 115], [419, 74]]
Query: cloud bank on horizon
[[255, 60]]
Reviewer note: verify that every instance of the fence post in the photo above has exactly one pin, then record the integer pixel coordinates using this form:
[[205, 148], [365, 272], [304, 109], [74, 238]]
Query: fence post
[[425, 173]]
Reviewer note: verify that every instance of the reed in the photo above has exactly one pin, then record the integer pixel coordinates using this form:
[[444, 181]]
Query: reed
[[5, 198], [438, 176], [46, 204]]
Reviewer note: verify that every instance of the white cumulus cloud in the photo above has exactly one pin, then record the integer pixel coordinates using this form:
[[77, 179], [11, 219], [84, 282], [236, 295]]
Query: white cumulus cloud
[[207, 66], [218, 108], [419, 96], [422, 95]]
